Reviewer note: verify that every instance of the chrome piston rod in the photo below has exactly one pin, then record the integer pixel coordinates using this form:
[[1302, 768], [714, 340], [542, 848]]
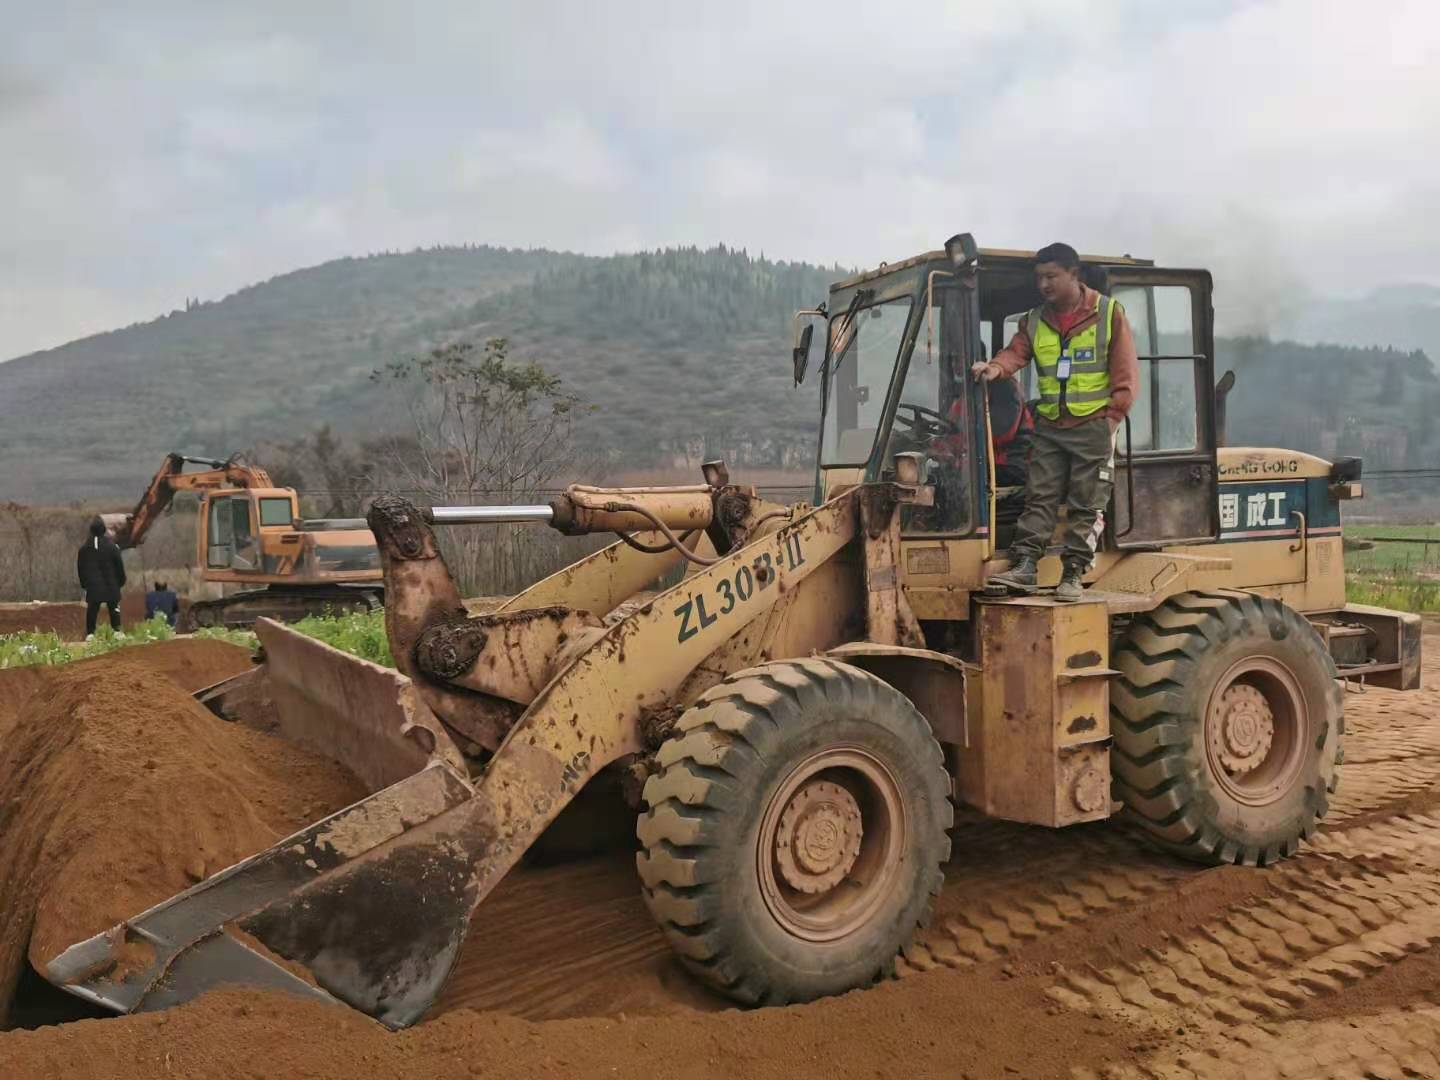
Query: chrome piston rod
[[488, 515]]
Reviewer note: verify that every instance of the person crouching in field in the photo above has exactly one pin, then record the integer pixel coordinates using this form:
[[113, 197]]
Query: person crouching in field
[[162, 600]]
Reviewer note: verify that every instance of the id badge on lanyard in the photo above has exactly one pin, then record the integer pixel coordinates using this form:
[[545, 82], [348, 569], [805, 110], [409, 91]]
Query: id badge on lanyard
[[1062, 369]]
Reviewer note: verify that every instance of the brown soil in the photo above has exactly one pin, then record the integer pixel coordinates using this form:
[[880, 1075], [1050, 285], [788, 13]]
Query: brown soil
[[938, 1026], [1082, 952], [117, 790], [190, 663], [65, 619]]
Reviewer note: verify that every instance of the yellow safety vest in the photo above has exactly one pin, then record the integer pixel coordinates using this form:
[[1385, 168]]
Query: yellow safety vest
[[1087, 389]]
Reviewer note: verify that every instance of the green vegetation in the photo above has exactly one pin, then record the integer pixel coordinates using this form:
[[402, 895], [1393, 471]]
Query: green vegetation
[[362, 635], [1405, 576], [22, 650], [1379, 404], [1383, 590]]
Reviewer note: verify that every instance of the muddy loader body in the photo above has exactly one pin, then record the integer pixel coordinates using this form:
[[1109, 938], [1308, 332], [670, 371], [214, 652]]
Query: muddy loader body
[[793, 720]]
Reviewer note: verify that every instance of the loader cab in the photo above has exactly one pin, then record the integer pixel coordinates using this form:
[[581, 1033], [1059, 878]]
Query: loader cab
[[898, 347]]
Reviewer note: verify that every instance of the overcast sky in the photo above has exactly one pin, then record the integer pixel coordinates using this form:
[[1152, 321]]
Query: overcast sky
[[157, 151]]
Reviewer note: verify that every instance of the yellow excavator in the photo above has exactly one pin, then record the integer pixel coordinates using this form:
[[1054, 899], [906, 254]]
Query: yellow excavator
[[250, 533], [793, 720]]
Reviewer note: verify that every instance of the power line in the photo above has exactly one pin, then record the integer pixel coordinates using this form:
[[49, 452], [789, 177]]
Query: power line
[[453, 493]]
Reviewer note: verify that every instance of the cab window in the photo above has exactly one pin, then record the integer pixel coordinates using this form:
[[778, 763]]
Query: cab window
[[932, 419], [863, 351], [220, 540], [275, 511], [1162, 417], [231, 541]]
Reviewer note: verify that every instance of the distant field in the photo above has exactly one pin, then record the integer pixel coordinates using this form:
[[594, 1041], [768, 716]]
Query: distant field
[[1398, 575]]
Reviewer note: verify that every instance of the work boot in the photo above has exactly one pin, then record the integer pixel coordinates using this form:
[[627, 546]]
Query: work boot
[[1019, 578], [1070, 589]]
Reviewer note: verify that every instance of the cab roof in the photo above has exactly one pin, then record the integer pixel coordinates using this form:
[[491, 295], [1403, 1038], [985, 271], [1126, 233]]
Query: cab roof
[[1011, 256]]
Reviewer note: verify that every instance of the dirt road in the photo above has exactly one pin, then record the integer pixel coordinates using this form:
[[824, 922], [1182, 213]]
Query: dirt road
[[1080, 953]]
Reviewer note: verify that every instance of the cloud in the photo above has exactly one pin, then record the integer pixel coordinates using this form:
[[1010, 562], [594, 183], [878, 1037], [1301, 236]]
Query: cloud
[[164, 150]]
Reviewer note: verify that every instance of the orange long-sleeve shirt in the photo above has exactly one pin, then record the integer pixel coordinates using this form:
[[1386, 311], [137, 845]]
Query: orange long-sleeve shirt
[[1124, 364]]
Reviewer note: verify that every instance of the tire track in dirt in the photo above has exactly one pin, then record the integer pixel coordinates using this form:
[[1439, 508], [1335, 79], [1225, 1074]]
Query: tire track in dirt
[[989, 911], [569, 941], [1359, 907], [1397, 1044], [1260, 961]]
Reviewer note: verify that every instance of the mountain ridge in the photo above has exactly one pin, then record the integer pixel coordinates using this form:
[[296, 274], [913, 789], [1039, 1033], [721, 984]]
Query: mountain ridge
[[678, 350]]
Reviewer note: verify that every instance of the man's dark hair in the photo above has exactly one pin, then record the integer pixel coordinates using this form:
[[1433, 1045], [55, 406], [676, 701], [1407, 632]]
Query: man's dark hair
[[1063, 255], [97, 527], [160, 586]]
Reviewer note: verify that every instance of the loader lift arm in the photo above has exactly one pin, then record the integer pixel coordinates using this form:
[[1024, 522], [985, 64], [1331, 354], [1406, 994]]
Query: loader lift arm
[[344, 898]]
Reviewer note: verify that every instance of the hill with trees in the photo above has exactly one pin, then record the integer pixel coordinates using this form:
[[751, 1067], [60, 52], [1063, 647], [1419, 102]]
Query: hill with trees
[[678, 355], [95, 417]]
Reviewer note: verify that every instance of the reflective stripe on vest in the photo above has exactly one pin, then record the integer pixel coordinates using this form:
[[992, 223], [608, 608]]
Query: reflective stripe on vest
[[1087, 390]]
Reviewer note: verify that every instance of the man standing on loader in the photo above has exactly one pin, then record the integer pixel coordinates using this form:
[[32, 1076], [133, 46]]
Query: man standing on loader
[[1086, 371]]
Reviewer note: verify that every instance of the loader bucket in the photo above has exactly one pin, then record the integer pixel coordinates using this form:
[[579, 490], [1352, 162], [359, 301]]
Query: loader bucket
[[224, 930], [384, 941], [368, 718]]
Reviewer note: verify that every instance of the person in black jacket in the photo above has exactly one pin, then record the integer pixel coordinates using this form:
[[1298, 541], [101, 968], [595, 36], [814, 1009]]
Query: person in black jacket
[[102, 576]]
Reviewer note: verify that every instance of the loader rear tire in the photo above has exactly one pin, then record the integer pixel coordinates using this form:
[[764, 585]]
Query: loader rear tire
[[796, 832], [1227, 720]]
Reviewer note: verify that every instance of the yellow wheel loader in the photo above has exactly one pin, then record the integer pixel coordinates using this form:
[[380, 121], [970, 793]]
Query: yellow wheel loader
[[794, 718]]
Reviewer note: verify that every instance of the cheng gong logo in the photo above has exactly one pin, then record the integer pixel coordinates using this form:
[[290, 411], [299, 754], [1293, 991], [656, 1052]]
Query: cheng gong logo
[[1259, 510]]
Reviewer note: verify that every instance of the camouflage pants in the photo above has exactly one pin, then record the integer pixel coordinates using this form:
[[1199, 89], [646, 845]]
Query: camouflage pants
[[1073, 465]]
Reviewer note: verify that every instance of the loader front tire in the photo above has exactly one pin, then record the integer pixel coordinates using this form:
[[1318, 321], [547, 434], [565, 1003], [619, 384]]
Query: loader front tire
[[796, 832], [1227, 720]]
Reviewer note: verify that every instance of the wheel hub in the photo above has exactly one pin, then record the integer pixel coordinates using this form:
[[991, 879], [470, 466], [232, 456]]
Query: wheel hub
[[1243, 728], [818, 838]]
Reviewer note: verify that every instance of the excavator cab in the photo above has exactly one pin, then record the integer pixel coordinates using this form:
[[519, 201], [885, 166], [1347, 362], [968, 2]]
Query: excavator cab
[[257, 533], [229, 530]]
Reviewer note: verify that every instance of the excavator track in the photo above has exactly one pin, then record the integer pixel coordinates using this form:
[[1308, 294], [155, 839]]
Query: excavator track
[[282, 603]]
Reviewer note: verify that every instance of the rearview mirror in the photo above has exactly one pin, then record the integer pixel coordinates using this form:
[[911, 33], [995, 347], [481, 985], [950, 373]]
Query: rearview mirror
[[801, 354], [961, 250], [1222, 391]]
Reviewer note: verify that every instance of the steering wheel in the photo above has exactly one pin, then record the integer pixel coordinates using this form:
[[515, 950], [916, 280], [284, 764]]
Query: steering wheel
[[925, 424]]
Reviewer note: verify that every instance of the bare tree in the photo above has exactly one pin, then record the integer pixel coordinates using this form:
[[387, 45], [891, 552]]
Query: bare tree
[[484, 430], [330, 472]]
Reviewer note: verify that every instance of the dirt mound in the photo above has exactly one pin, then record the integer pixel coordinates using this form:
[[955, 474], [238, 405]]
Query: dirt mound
[[932, 1026], [118, 790], [190, 663]]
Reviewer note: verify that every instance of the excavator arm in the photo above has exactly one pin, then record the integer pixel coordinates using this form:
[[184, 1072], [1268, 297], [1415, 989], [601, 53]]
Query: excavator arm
[[130, 530]]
